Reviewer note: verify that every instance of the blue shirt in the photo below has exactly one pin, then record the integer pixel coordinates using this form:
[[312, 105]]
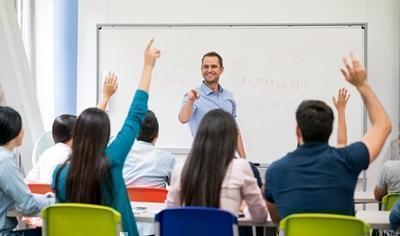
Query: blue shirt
[[394, 217], [210, 100], [316, 178], [116, 154], [14, 194]]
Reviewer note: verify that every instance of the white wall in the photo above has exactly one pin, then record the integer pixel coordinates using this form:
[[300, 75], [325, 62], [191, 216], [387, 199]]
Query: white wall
[[44, 60], [17, 81], [383, 38]]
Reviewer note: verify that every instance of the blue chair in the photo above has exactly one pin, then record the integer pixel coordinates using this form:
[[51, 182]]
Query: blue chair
[[196, 221]]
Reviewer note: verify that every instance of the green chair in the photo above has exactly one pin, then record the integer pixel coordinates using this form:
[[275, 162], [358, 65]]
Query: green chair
[[389, 200], [66, 219], [316, 224]]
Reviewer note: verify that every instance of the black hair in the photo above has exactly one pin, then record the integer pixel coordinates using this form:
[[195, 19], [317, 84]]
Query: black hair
[[62, 128], [10, 124], [89, 171], [212, 151], [149, 130], [314, 119]]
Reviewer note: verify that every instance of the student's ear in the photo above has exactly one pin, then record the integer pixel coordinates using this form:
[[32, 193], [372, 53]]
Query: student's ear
[[299, 136], [155, 138]]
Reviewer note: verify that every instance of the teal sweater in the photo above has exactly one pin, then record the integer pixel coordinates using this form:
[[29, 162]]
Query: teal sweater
[[116, 154]]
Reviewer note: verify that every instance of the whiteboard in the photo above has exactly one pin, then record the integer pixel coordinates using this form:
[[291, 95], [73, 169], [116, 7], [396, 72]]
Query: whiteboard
[[270, 69]]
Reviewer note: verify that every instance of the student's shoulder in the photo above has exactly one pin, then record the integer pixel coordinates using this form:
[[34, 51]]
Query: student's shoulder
[[241, 164], [354, 149], [391, 165], [160, 153], [281, 163]]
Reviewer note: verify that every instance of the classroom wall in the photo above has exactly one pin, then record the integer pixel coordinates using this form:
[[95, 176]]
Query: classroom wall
[[383, 35], [16, 80]]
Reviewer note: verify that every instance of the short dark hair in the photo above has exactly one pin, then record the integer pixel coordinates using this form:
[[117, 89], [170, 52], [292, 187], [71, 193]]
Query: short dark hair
[[149, 129], [314, 119], [62, 128], [213, 54], [10, 124]]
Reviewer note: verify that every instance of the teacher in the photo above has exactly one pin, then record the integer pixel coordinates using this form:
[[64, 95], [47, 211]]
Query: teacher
[[210, 95]]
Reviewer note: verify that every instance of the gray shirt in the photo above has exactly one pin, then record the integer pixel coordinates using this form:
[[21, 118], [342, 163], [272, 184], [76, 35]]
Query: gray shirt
[[389, 176], [14, 194]]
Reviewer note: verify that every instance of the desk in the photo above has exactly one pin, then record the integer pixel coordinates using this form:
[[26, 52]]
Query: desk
[[377, 219], [145, 212], [364, 197]]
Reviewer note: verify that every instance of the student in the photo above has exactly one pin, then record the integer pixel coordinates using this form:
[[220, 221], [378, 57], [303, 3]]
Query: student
[[389, 175], [56, 154], [388, 179], [147, 165], [212, 154], [13, 191], [93, 172], [210, 95], [62, 135], [317, 177]]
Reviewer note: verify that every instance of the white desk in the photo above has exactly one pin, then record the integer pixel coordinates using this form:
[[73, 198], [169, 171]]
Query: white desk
[[364, 197], [377, 219], [145, 212]]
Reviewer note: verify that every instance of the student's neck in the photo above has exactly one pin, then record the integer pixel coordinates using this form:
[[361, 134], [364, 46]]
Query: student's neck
[[9, 146]]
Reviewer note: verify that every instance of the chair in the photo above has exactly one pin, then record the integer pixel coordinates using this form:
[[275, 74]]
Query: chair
[[315, 224], [45, 141], [389, 200], [40, 188], [66, 219], [195, 221], [147, 194]]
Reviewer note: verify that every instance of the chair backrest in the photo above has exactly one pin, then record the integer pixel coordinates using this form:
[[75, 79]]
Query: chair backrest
[[45, 141], [389, 200], [315, 224], [195, 221], [40, 188], [147, 194], [66, 219]]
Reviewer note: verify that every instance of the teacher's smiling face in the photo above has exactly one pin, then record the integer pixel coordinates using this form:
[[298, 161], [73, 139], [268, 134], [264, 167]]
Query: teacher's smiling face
[[211, 69]]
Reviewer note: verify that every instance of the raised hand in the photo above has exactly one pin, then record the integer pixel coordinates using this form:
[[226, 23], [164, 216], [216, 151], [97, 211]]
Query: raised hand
[[151, 54], [110, 85], [354, 72], [341, 102]]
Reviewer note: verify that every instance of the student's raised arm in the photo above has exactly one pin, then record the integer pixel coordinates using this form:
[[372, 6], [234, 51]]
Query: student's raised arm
[[340, 105], [376, 136], [110, 86], [119, 148], [151, 54]]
